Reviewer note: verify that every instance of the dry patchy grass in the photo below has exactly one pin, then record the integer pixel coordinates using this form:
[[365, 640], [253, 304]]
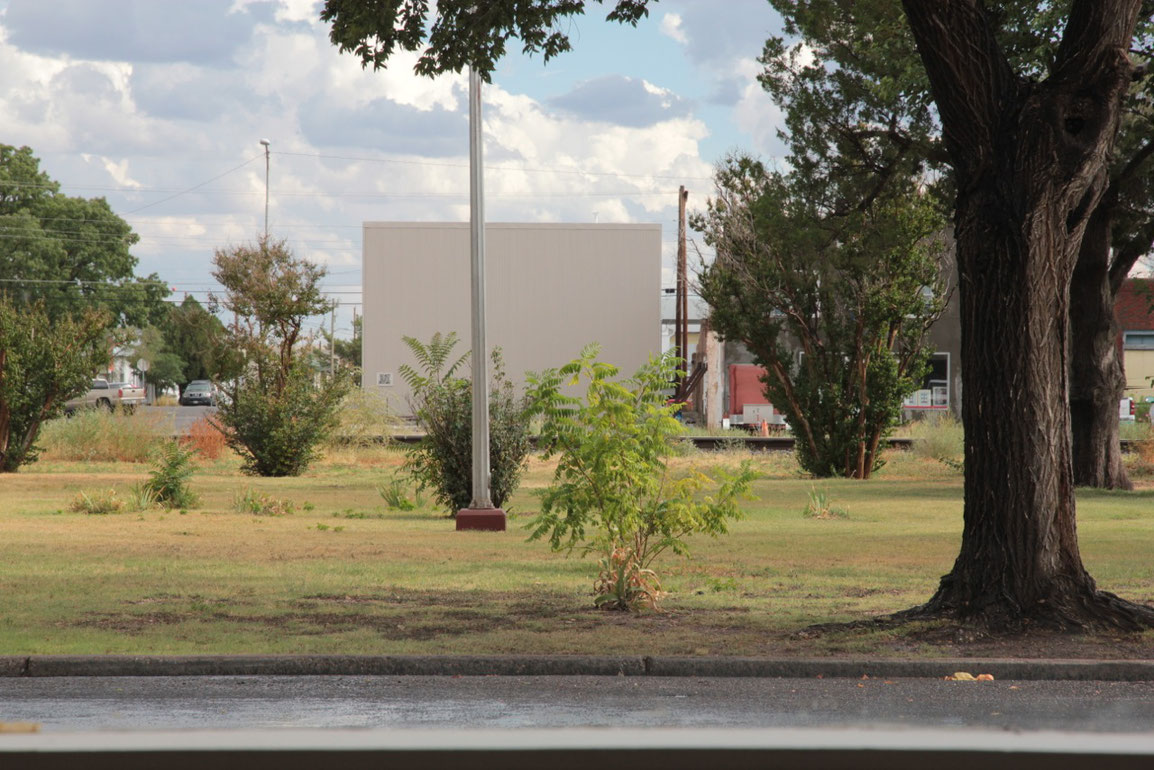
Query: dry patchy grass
[[343, 574]]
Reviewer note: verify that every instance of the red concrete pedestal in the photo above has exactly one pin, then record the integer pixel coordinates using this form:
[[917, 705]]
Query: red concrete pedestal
[[482, 519]]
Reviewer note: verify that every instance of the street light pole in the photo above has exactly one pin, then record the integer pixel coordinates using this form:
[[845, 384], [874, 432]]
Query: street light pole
[[480, 514], [265, 143]]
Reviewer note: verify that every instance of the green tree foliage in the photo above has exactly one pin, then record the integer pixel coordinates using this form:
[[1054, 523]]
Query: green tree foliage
[[346, 352], [462, 33], [44, 361], [850, 71], [71, 253], [201, 342], [443, 402], [854, 292], [278, 411], [349, 351], [613, 492], [165, 369]]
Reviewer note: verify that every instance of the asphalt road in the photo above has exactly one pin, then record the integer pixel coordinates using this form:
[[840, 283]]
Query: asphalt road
[[174, 420], [158, 703]]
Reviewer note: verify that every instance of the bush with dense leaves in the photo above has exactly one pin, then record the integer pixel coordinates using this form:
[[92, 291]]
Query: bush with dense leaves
[[613, 492], [443, 402], [279, 432]]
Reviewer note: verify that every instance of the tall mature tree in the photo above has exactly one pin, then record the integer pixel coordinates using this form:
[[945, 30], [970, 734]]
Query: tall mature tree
[[1119, 233], [44, 361], [806, 263], [855, 93], [201, 342], [71, 253], [1030, 153], [278, 411], [1029, 150]]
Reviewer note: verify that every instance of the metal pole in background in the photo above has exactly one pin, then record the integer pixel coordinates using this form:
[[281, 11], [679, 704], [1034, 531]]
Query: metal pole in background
[[265, 143], [481, 496], [682, 316]]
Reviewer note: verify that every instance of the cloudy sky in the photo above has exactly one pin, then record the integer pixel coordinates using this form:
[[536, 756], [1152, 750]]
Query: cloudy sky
[[159, 106]]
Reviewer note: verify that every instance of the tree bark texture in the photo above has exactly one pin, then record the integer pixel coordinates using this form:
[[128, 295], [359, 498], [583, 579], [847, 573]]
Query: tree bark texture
[[1097, 380], [1030, 159]]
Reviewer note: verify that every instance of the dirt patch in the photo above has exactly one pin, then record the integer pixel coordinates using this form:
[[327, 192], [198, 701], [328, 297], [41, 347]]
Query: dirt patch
[[389, 626], [953, 640]]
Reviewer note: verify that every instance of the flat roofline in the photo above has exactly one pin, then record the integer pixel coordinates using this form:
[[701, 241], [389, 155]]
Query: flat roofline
[[515, 225]]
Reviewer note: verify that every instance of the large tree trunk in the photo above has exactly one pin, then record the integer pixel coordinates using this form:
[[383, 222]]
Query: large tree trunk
[[1030, 161], [1096, 377]]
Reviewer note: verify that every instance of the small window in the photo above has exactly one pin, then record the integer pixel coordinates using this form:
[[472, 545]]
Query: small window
[[1138, 340], [384, 379]]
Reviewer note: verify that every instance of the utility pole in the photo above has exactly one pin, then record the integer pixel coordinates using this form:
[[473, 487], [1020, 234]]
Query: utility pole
[[333, 341], [265, 143], [681, 318], [480, 514]]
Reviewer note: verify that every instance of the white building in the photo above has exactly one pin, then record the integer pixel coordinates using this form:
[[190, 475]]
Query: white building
[[551, 290]]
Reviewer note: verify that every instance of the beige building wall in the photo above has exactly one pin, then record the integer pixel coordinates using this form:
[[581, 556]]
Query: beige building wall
[[551, 290], [1139, 366]]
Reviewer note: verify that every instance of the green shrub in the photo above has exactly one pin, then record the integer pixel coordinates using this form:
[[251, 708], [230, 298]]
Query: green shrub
[[168, 481], [443, 461], [278, 431], [613, 491]]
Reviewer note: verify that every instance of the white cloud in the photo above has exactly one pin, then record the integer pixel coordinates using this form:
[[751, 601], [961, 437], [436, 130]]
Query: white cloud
[[671, 27], [756, 114], [394, 145]]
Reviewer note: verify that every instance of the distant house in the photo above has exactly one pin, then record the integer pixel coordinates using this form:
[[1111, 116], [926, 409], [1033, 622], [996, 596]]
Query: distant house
[[551, 290], [732, 390], [1135, 316]]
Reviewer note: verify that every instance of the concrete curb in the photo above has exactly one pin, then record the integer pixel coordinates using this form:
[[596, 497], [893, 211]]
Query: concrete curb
[[498, 665]]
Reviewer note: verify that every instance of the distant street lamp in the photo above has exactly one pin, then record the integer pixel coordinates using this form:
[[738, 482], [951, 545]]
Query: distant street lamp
[[480, 514], [265, 143]]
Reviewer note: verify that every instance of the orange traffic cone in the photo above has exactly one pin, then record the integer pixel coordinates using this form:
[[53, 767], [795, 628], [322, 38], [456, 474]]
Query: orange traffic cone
[[764, 431]]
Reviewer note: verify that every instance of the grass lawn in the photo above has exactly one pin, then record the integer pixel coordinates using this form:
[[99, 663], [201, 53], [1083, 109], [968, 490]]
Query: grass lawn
[[344, 574]]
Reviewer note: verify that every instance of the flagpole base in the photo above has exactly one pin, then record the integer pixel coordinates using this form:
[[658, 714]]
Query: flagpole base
[[481, 519]]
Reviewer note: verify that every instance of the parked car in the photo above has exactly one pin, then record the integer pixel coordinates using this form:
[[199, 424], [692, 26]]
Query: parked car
[[107, 395], [198, 392]]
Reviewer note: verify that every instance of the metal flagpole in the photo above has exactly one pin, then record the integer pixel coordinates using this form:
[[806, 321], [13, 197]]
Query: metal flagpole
[[480, 514]]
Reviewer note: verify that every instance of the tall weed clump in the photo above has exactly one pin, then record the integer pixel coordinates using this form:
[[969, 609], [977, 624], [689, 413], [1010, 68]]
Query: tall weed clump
[[939, 437], [167, 483], [614, 492], [95, 435], [363, 419], [443, 403]]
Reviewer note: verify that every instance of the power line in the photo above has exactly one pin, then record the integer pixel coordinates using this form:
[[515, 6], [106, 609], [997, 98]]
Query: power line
[[197, 186], [529, 169]]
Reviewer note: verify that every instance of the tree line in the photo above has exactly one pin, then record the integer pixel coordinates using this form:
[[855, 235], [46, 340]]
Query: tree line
[[69, 299]]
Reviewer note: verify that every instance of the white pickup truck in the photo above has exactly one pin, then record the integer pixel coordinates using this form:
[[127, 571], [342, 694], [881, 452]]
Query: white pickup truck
[[108, 395]]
